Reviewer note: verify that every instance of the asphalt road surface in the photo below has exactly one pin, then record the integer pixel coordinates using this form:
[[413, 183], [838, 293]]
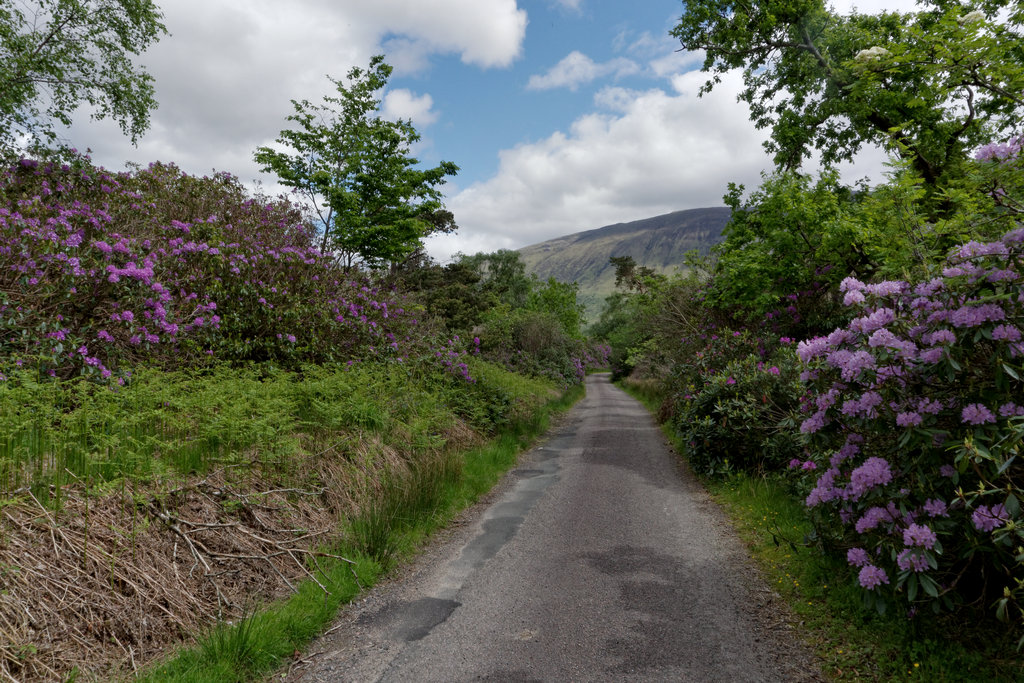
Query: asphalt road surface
[[598, 559]]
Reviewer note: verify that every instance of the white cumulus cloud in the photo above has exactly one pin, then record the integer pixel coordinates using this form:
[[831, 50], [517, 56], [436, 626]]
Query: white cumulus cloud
[[405, 104], [640, 154], [576, 69], [487, 33], [225, 76], [658, 151]]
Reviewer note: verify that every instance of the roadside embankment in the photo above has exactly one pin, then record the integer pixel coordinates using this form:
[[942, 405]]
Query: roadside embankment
[[233, 508]]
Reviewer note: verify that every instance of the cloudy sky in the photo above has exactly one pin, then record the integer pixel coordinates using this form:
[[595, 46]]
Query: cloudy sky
[[564, 115]]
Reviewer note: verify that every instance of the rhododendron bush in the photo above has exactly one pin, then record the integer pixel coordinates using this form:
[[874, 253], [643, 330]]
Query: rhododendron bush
[[100, 270], [735, 414], [917, 415]]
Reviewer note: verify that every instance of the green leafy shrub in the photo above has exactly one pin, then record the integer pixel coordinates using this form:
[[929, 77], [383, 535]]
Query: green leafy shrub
[[738, 418], [536, 343]]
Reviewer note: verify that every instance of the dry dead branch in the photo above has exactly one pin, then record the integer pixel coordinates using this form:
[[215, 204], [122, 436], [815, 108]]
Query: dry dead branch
[[110, 589]]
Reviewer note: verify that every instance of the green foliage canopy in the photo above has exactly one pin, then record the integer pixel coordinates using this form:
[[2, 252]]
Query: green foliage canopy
[[929, 85], [790, 237], [373, 203], [57, 54], [502, 274], [452, 293], [558, 299]]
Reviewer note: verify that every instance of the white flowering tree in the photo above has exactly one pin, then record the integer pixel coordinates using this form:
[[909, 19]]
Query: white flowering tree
[[930, 85]]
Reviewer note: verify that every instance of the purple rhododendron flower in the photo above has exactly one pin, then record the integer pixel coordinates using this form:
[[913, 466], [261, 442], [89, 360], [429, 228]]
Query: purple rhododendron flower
[[876, 320], [825, 489], [882, 337], [987, 518], [813, 423], [872, 518], [911, 560], [909, 419], [850, 284], [813, 348], [929, 288], [919, 535], [947, 471], [872, 577], [874, 472], [941, 337], [1006, 333], [972, 316], [839, 337], [999, 151], [857, 557], [851, 363], [886, 288], [936, 508], [976, 414], [853, 297], [1011, 409], [827, 400]]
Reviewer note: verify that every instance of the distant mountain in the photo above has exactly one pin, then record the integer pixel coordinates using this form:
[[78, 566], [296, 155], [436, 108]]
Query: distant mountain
[[658, 243]]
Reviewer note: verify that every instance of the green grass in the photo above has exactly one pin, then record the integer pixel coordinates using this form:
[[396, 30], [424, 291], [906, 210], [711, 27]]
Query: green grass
[[161, 424], [266, 637], [852, 642], [391, 530]]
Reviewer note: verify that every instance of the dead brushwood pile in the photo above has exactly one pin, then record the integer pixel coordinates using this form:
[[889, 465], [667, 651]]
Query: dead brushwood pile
[[108, 580]]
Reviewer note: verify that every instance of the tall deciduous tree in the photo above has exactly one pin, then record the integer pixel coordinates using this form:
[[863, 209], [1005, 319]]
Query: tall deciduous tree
[[929, 85], [503, 274], [355, 168], [57, 54]]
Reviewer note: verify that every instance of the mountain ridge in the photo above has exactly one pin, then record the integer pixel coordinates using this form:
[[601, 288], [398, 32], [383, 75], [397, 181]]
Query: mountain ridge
[[659, 242]]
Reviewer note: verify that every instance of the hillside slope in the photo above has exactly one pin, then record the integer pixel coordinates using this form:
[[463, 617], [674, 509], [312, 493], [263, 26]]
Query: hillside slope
[[659, 243]]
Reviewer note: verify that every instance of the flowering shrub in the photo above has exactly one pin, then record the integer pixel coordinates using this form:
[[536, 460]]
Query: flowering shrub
[[705, 355], [735, 416], [99, 271], [918, 417]]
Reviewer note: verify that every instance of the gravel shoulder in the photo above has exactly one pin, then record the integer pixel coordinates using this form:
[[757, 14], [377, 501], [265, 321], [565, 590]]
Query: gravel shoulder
[[598, 558]]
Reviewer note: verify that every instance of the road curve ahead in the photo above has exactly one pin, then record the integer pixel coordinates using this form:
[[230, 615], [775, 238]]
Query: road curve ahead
[[599, 559]]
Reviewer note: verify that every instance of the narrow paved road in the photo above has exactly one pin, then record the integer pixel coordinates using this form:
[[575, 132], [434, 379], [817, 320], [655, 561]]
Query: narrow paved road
[[599, 559]]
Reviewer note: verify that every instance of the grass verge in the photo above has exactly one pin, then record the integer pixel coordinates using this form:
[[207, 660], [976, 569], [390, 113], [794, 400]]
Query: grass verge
[[852, 643], [389, 532]]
